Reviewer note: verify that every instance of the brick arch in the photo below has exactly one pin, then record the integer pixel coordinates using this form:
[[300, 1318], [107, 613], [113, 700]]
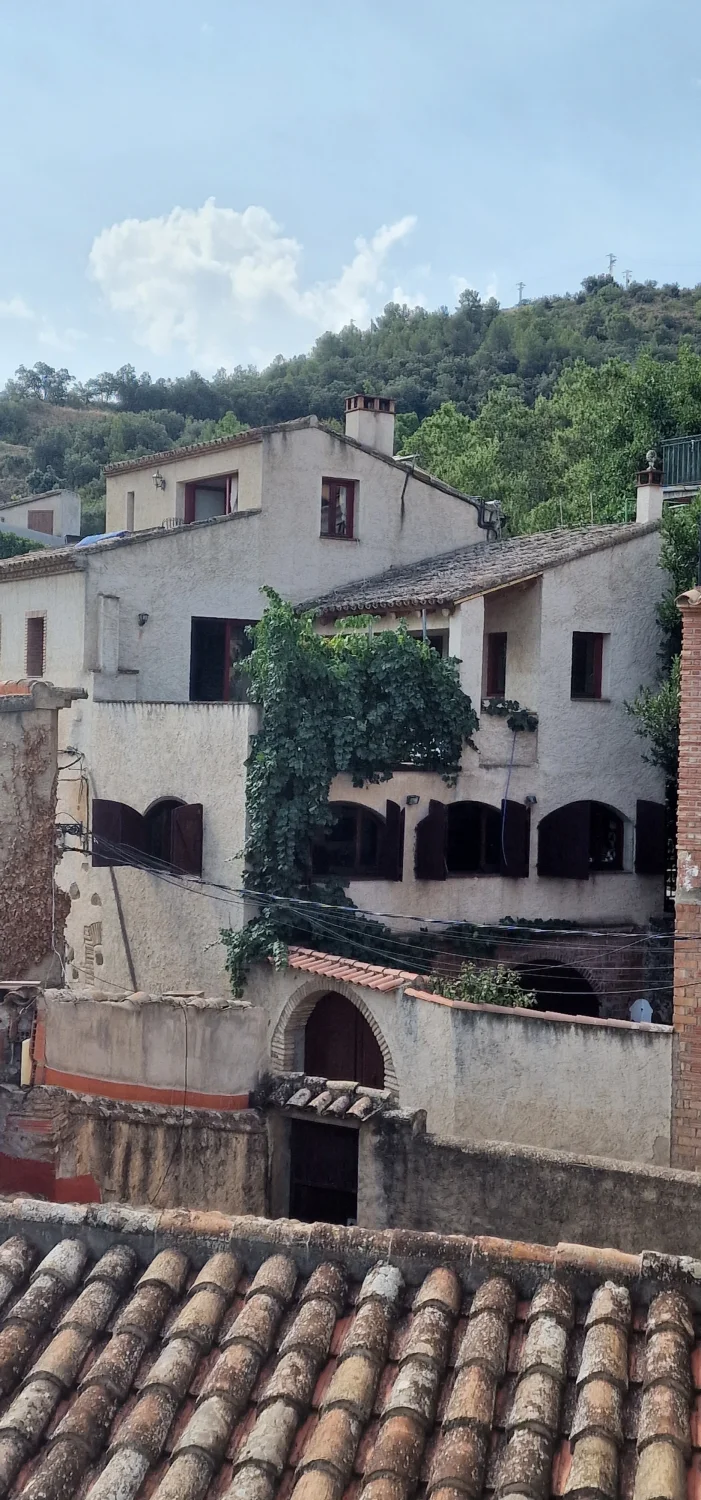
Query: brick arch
[[555, 953], [293, 1018]]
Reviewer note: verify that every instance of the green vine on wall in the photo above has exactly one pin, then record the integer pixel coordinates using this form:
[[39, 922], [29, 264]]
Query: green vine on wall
[[518, 719], [358, 703]]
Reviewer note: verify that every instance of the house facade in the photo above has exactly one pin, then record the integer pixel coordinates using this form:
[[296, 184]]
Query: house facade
[[150, 624], [52, 518]]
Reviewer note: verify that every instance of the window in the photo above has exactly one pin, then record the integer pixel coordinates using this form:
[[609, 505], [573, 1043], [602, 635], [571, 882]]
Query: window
[[360, 844], [169, 831], [472, 838], [35, 645], [41, 520], [216, 649], [496, 664], [587, 664], [211, 497], [579, 840], [437, 639], [337, 507]]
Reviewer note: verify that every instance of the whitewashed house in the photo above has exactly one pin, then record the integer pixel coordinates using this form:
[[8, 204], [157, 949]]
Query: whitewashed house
[[561, 820], [51, 518]]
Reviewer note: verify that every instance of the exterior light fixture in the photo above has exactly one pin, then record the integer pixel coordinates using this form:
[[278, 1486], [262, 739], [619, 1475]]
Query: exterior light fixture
[[412, 799], [143, 619], [158, 480]]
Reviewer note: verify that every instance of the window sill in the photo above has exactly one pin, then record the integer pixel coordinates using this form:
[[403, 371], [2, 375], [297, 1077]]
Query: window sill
[[582, 698], [338, 538]]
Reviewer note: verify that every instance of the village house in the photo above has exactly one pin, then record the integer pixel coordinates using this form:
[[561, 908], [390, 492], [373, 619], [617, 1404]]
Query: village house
[[560, 820], [51, 518]]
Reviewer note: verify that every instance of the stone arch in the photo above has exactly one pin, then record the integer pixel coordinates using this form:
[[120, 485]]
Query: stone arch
[[521, 955], [289, 1028]]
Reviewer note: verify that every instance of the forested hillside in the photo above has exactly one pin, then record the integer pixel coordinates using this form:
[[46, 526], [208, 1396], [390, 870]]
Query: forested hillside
[[548, 406]]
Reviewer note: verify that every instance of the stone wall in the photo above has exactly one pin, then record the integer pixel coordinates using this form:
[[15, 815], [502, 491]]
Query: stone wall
[[411, 1180], [686, 1110], [32, 910]]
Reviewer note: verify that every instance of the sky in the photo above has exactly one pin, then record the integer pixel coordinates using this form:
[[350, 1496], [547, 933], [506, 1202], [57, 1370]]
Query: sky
[[194, 185]]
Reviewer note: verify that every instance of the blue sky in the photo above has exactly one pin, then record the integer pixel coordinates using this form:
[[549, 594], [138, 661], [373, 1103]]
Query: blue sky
[[189, 185]]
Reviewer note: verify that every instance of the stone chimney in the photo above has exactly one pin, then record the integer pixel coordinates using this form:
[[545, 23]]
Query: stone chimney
[[370, 420], [649, 496]]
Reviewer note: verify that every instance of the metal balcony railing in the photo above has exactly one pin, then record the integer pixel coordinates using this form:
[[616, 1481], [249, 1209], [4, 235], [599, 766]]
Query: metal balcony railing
[[681, 461]]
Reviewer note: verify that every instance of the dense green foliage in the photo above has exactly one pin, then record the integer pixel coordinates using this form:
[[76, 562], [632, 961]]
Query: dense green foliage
[[540, 406], [483, 985], [356, 703], [15, 546], [571, 458]]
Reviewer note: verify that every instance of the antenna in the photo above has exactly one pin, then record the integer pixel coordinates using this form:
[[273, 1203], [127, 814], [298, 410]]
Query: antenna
[[520, 285], [628, 275], [612, 261]]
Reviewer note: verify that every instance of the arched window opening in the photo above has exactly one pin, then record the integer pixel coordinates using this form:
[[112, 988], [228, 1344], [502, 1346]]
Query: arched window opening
[[159, 828], [473, 843], [360, 844], [579, 840], [339, 1043], [560, 988], [169, 831], [472, 838]]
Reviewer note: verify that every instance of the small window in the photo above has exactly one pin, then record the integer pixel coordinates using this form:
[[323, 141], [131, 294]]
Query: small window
[[473, 845], [472, 838], [587, 664], [337, 508], [35, 655], [579, 840], [211, 497], [360, 844], [217, 647], [436, 639], [170, 833], [496, 664]]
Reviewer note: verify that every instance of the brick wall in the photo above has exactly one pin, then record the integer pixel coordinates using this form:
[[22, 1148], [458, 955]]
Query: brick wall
[[686, 1092]]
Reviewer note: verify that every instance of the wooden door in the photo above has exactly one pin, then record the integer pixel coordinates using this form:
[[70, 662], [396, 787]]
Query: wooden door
[[338, 1043]]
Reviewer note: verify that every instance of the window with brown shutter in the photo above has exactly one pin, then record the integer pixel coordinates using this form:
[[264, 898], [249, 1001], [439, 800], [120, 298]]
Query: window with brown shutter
[[359, 844], [579, 840], [515, 831], [35, 654], [429, 851], [168, 835]]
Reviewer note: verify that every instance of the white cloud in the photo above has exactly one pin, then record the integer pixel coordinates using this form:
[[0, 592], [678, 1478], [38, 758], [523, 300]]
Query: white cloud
[[16, 308], [212, 278]]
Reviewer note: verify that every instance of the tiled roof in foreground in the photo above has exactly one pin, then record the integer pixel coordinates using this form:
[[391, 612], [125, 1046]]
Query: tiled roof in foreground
[[182, 1356], [465, 571]]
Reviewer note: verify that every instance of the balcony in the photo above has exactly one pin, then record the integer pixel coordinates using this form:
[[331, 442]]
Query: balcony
[[681, 465]]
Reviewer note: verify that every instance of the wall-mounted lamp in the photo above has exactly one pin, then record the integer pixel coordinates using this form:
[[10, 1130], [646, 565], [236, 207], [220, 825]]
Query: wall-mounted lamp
[[530, 800], [158, 480], [412, 799], [142, 619]]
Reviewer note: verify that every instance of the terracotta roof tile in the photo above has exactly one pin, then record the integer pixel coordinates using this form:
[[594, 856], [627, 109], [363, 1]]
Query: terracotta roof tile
[[321, 1369]]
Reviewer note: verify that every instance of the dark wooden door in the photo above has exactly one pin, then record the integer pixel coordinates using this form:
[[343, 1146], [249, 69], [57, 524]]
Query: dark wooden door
[[338, 1043]]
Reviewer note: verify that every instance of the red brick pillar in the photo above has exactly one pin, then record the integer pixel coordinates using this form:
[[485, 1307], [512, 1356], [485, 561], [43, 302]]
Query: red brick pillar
[[686, 1087]]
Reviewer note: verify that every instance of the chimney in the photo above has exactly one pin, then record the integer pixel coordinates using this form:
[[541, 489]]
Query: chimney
[[370, 420], [650, 493]]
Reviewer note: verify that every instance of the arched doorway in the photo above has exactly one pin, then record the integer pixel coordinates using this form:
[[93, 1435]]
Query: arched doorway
[[338, 1043], [559, 987]]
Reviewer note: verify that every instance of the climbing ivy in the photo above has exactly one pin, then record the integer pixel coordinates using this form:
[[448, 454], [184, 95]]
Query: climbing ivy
[[361, 703]]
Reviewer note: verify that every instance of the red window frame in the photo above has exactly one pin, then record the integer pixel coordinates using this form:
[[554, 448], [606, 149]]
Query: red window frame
[[189, 508], [496, 663], [332, 500], [35, 645]]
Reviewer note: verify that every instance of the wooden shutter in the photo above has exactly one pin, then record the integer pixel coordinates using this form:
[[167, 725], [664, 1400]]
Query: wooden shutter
[[650, 838], [563, 842], [186, 839], [41, 520], [392, 849], [429, 856], [189, 513], [119, 834], [515, 840]]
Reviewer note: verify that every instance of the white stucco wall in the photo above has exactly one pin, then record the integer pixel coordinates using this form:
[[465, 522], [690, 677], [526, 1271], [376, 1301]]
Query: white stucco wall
[[138, 754], [594, 1088], [142, 1041], [62, 597]]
